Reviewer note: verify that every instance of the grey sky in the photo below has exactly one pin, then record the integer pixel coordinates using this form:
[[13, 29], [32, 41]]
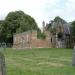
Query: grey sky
[[40, 9]]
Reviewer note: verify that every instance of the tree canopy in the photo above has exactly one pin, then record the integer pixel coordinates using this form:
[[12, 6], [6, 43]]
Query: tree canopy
[[73, 30], [59, 19], [17, 22]]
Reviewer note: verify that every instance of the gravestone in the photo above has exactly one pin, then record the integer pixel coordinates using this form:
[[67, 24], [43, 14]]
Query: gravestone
[[2, 59], [73, 59]]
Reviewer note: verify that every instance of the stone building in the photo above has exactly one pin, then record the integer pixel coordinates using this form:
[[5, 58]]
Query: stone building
[[57, 34], [29, 39], [60, 35]]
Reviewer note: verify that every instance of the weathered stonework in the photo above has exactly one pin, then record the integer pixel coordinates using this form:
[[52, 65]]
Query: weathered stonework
[[60, 27], [29, 40]]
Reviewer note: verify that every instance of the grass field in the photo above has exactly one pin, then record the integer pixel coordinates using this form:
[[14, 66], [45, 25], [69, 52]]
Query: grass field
[[43, 61]]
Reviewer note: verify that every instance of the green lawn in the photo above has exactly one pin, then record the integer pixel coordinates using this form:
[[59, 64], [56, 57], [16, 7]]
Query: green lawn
[[43, 61]]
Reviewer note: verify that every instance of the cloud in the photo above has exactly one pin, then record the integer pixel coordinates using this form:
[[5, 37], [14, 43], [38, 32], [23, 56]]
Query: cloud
[[40, 9]]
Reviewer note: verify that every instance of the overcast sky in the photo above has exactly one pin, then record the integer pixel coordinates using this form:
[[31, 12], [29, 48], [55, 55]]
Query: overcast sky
[[40, 9]]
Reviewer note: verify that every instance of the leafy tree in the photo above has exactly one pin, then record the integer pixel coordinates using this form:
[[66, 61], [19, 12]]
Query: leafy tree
[[53, 30], [1, 22], [73, 30], [40, 35], [58, 19], [17, 22]]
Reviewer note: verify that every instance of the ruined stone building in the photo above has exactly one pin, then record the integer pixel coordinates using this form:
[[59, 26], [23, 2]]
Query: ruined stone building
[[60, 33], [57, 34], [29, 39]]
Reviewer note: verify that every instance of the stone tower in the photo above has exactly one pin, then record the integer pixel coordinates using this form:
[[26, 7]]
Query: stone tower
[[43, 24]]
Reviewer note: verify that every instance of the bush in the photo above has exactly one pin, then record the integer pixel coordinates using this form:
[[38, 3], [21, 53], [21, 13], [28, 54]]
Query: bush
[[40, 35]]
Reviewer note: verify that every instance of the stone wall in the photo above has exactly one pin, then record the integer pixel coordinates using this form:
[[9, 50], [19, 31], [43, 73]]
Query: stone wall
[[29, 40]]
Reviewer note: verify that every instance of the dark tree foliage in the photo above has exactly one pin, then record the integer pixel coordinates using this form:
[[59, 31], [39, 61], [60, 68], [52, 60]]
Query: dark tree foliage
[[16, 22], [73, 30], [58, 19], [40, 35], [1, 23]]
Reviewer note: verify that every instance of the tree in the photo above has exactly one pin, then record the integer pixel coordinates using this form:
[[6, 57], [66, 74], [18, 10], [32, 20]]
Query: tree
[[40, 35], [73, 30], [1, 23], [53, 30], [58, 19], [17, 22]]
